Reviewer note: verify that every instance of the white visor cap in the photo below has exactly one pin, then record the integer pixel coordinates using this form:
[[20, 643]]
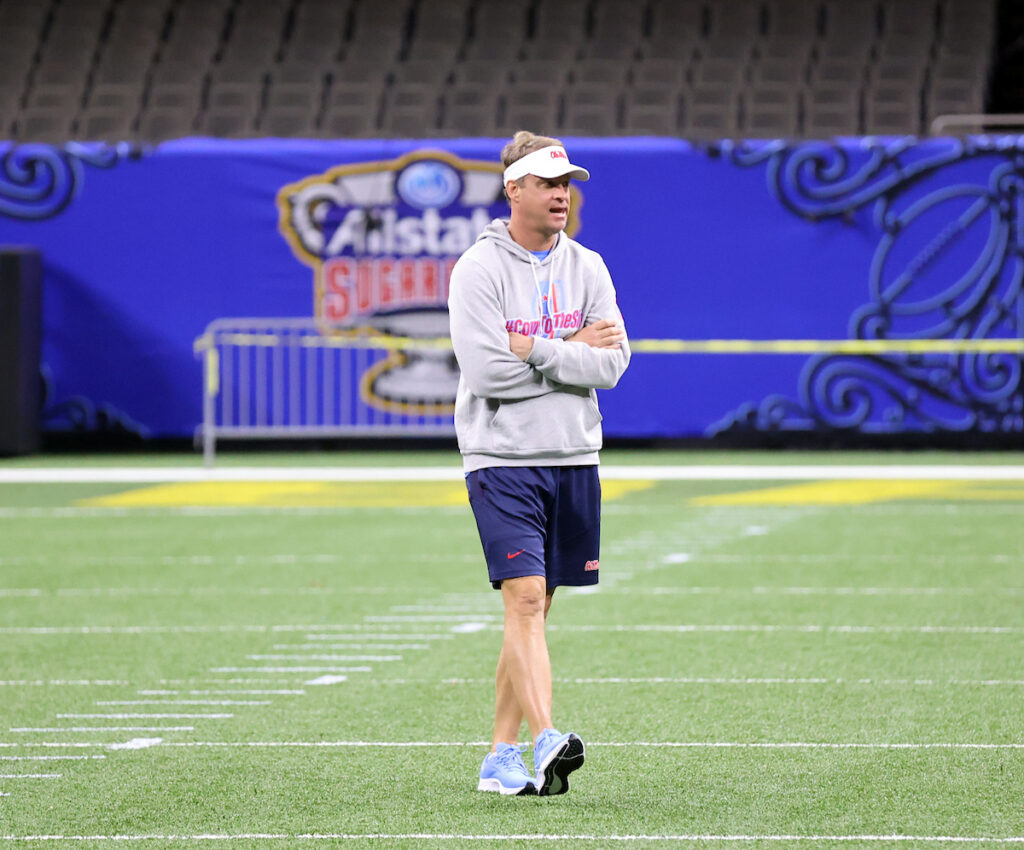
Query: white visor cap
[[546, 163]]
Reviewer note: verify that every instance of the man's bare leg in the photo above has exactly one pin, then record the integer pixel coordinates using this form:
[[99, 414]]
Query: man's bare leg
[[523, 678], [508, 715]]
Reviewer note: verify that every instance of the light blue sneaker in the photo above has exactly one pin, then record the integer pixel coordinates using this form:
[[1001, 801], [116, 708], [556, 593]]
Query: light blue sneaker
[[555, 756], [504, 771]]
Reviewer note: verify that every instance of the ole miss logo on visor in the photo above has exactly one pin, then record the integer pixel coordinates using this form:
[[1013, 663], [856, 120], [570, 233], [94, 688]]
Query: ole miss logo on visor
[[558, 155]]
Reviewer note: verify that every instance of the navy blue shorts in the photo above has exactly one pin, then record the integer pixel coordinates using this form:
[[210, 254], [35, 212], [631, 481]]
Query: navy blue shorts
[[538, 521]]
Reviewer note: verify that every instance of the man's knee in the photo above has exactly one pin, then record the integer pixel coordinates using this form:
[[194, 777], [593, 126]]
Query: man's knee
[[525, 596]]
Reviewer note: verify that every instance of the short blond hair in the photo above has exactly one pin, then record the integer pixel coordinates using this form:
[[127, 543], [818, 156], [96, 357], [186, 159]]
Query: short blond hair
[[524, 142]]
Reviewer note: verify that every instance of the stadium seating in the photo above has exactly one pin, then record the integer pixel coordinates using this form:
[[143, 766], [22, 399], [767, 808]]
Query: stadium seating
[[153, 69]]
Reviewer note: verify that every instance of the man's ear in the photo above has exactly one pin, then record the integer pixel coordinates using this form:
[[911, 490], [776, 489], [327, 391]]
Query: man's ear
[[512, 190]]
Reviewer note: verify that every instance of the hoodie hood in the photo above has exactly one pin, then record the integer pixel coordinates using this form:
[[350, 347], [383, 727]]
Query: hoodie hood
[[497, 231]]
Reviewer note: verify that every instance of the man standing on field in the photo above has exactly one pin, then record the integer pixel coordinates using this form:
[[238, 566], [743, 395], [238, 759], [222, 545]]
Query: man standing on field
[[536, 330]]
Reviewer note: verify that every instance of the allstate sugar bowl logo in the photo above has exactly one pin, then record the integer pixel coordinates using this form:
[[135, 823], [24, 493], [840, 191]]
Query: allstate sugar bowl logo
[[429, 184], [382, 239]]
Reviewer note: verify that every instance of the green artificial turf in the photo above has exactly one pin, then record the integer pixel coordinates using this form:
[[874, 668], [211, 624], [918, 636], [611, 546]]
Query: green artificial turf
[[881, 642]]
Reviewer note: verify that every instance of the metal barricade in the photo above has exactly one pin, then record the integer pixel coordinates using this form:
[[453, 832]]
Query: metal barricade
[[300, 378]]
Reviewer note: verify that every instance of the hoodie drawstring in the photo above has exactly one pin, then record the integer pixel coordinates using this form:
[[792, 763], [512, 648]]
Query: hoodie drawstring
[[536, 285]]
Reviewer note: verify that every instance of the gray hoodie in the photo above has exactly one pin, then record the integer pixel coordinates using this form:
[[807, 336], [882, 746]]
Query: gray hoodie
[[542, 412]]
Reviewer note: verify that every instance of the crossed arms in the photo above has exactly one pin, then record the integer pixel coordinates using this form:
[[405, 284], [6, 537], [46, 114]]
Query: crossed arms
[[604, 333], [509, 366]]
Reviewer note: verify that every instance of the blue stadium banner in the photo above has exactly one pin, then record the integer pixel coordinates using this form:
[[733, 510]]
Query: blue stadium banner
[[860, 239]]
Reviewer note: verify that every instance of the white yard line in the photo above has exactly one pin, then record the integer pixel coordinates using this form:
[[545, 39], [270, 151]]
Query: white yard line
[[260, 680], [175, 591], [31, 775], [805, 745], [477, 626], [144, 716], [183, 702], [820, 591], [988, 508], [695, 838], [292, 670], [731, 472], [80, 745], [766, 628], [214, 512], [430, 618], [312, 657], [194, 629], [436, 609], [843, 557], [326, 680], [156, 475], [366, 636], [125, 630], [395, 646], [240, 691], [805, 629], [731, 680], [49, 758], [239, 560], [217, 591], [187, 591], [61, 682], [741, 745], [133, 744], [520, 837], [102, 729], [657, 745]]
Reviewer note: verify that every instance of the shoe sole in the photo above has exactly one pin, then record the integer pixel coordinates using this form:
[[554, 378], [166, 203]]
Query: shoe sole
[[553, 774], [496, 786]]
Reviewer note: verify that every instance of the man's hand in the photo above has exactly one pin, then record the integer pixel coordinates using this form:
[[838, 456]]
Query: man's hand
[[604, 333], [521, 345]]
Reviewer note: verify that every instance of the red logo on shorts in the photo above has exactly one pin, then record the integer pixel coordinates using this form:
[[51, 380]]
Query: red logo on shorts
[[512, 555], [591, 566]]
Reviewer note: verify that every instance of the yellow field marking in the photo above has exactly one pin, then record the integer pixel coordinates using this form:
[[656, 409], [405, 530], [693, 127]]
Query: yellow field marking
[[612, 490], [369, 494], [361, 494], [866, 492]]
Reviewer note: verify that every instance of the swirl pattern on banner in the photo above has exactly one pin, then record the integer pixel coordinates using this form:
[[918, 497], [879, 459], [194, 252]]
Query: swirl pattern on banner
[[919, 285], [79, 415], [39, 181]]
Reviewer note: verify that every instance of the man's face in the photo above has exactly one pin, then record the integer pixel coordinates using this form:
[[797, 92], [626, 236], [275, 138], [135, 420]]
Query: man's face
[[542, 205]]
